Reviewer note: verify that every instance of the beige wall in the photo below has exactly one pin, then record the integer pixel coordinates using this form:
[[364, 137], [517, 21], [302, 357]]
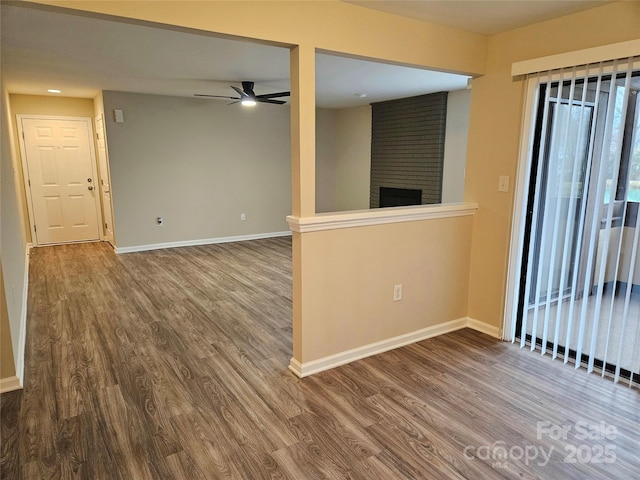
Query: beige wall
[[494, 132], [326, 159], [455, 146], [352, 271], [343, 158], [51, 105], [353, 161], [199, 164], [7, 367]]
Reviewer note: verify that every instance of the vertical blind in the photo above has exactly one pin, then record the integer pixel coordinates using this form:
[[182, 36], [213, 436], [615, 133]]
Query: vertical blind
[[579, 295]]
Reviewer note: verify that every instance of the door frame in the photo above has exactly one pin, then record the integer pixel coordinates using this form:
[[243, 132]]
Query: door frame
[[519, 218], [531, 94], [102, 176], [25, 166]]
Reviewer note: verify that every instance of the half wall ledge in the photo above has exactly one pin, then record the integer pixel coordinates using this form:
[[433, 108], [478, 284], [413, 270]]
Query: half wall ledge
[[379, 216]]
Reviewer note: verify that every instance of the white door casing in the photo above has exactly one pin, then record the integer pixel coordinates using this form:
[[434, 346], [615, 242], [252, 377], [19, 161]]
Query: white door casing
[[105, 180], [59, 172]]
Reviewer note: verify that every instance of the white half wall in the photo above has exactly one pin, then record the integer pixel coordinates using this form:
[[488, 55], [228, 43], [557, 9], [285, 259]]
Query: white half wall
[[199, 164]]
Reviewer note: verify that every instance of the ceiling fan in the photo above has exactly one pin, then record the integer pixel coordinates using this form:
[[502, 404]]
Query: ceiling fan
[[248, 97]]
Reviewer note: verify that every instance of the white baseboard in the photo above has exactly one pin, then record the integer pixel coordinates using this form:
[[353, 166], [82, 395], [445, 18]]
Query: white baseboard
[[316, 366], [10, 384], [203, 241], [332, 361], [478, 326]]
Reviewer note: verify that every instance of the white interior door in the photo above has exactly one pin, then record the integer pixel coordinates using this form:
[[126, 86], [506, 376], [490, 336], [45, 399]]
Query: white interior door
[[60, 172], [105, 182]]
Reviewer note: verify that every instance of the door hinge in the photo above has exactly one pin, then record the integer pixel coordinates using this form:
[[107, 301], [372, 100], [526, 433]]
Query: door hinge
[[105, 226], [35, 229], [29, 182]]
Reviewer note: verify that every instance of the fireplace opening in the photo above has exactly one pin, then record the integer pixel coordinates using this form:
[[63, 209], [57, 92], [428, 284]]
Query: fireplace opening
[[399, 197]]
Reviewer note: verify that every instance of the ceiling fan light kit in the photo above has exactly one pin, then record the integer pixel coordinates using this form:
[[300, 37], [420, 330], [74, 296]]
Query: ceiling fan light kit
[[248, 98]]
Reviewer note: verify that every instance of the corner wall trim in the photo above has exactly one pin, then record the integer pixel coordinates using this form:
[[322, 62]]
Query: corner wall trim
[[304, 369], [379, 216], [10, 384], [22, 332], [195, 243]]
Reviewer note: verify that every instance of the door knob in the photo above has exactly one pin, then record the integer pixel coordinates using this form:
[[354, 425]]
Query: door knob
[[90, 187]]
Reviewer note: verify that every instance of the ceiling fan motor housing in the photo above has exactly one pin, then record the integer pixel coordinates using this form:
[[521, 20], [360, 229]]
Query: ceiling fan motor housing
[[248, 88]]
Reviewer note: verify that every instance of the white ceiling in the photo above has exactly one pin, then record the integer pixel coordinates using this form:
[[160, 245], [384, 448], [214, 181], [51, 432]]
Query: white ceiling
[[44, 48], [82, 55], [341, 81]]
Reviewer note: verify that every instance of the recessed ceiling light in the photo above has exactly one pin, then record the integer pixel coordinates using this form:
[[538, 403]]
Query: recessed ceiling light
[[54, 90], [361, 95]]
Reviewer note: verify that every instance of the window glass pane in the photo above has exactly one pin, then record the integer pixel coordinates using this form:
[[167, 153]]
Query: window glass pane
[[617, 129], [633, 190], [569, 149]]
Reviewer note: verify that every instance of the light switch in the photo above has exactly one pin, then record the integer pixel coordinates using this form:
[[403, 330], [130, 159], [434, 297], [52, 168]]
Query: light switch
[[118, 115], [503, 183]]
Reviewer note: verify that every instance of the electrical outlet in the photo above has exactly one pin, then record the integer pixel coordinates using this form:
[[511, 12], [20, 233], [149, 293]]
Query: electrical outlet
[[243, 217], [397, 293], [159, 222]]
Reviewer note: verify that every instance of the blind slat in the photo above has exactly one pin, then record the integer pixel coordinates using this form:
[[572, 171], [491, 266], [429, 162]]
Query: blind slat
[[581, 228]]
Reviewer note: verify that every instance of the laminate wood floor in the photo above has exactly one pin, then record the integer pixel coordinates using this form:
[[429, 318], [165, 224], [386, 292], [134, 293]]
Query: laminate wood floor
[[172, 364]]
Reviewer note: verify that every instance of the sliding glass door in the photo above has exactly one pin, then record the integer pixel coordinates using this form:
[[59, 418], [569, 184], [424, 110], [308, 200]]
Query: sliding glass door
[[579, 294]]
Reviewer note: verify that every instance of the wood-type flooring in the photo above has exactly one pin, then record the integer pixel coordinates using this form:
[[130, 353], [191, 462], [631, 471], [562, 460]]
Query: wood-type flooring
[[172, 364]]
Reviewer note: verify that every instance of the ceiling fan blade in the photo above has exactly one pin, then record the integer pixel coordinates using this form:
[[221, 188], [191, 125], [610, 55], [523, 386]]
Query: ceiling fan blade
[[274, 95], [248, 94], [239, 92], [213, 96], [266, 100]]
